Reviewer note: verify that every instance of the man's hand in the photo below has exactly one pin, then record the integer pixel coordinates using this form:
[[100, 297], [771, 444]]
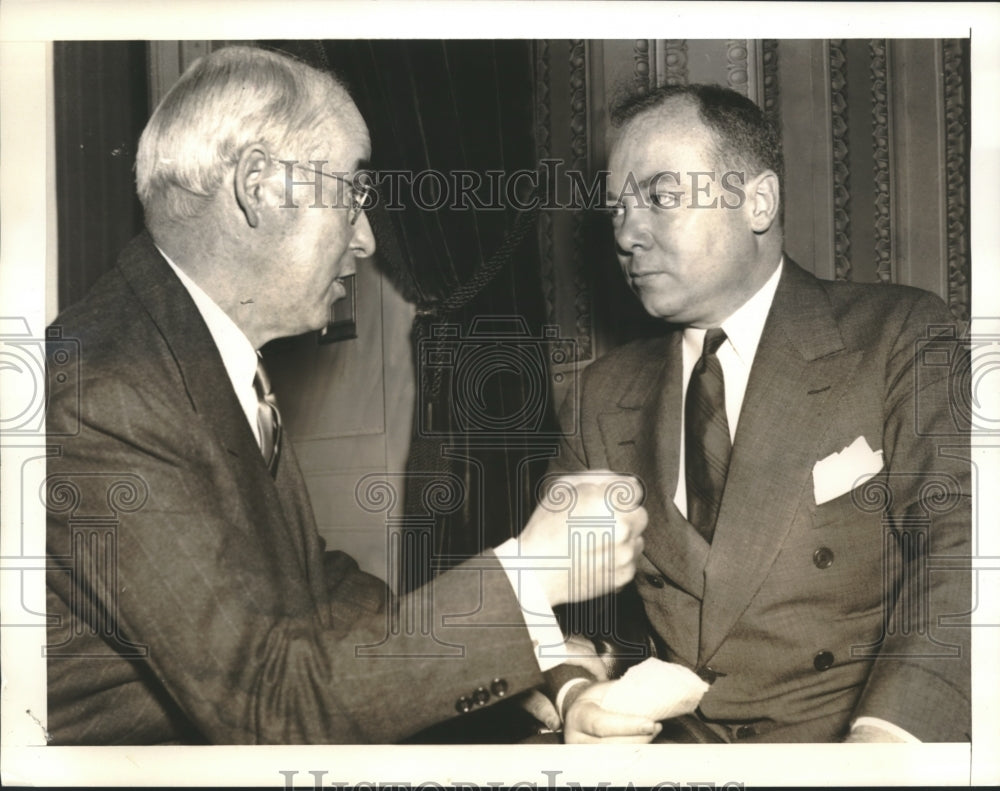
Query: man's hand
[[580, 651], [585, 536], [588, 723], [871, 734], [541, 708]]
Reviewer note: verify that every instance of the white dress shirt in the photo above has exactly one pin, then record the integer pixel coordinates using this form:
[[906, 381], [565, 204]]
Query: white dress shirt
[[238, 355]]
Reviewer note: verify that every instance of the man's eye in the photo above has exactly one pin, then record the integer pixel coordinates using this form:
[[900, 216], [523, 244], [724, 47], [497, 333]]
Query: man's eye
[[665, 200], [613, 211]]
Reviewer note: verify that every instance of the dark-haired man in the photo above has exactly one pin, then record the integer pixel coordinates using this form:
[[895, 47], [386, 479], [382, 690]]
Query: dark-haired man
[[801, 466]]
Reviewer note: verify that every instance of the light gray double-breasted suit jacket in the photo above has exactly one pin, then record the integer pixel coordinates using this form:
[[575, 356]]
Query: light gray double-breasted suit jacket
[[808, 615]]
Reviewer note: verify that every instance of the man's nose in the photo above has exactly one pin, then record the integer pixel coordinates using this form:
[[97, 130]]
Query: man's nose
[[633, 229], [363, 241]]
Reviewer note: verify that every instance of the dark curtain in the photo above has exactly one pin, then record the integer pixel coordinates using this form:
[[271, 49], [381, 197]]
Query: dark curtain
[[101, 106], [480, 355]]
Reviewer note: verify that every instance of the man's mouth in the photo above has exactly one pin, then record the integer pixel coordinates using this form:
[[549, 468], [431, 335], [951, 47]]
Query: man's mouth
[[635, 269], [639, 275]]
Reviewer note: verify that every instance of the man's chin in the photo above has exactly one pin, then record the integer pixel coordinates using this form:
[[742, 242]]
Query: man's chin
[[660, 308]]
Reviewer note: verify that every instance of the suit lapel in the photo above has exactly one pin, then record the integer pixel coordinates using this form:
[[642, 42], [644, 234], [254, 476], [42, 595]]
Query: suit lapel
[[653, 399], [194, 352], [800, 363], [205, 379]]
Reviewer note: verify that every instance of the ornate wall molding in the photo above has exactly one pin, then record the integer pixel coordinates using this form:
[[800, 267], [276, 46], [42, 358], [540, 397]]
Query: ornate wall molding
[[640, 64], [737, 74], [543, 144], [881, 132], [956, 163], [841, 168], [770, 91], [579, 150], [675, 62]]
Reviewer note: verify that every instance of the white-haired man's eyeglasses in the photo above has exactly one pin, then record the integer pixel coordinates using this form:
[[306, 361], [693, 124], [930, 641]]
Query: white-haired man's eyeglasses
[[360, 188]]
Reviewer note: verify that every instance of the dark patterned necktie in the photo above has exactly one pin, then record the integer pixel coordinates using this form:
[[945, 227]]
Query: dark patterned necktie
[[707, 446], [268, 418]]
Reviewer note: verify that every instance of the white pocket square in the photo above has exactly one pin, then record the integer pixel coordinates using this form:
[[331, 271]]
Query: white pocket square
[[841, 472]]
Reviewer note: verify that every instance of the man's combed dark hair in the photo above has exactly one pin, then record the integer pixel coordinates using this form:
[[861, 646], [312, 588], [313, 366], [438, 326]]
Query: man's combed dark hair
[[744, 138]]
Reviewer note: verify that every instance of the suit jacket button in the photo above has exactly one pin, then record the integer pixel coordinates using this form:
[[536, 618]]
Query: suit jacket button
[[823, 661], [481, 696], [499, 687], [823, 558], [463, 705], [709, 674], [655, 580], [745, 731]]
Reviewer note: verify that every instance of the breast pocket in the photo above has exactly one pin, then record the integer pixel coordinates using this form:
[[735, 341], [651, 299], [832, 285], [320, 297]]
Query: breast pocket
[[863, 504]]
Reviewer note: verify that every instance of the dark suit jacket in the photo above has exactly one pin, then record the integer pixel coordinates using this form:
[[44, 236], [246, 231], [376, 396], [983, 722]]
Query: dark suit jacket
[[807, 615], [190, 597]]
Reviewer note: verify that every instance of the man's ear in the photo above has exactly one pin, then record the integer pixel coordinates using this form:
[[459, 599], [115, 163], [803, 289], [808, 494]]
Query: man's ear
[[764, 198], [251, 172]]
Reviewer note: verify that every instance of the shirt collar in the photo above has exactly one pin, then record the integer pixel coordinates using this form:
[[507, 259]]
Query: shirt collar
[[744, 327], [238, 354]]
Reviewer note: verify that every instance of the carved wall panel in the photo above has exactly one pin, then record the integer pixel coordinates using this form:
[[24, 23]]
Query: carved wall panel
[[841, 168], [880, 147], [956, 142], [672, 62], [769, 87], [737, 64]]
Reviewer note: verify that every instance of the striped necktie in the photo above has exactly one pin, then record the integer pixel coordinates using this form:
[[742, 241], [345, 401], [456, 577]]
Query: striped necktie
[[707, 446], [268, 418]]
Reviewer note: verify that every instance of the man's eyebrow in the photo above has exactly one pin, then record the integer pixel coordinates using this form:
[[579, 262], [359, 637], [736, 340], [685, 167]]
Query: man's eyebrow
[[664, 176], [670, 177], [614, 196]]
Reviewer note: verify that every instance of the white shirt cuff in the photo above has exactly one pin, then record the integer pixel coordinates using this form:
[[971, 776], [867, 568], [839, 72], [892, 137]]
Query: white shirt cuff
[[561, 697], [543, 629], [888, 727]]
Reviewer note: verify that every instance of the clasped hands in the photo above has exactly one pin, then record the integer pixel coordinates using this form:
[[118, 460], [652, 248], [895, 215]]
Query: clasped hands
[[587, 530], [586, 720]]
